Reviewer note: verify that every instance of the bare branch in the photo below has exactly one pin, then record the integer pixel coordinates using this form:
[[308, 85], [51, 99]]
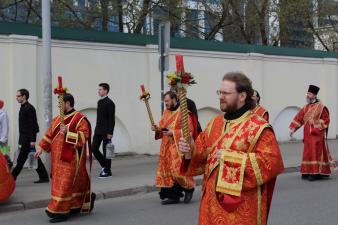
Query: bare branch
[[144, 13], [310, 24], [334, 26], [104, 14], [261, 22], [220, 23], [241, 22], [120, 15], [29, 10], [70, 8], [16, 9]]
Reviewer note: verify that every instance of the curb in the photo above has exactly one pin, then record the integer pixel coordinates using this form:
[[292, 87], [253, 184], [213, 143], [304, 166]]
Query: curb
[[99, 196], [103, 195]]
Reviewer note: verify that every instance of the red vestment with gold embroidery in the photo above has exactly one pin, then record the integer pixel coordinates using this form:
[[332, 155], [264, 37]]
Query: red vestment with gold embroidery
[[238, 188], [170, 160], [262, 112], [315, 118], [70, 179]]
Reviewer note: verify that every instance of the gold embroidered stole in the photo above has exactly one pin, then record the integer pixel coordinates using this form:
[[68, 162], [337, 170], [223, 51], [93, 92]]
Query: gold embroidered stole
[[237, 140], [313, 112], [172, 120]]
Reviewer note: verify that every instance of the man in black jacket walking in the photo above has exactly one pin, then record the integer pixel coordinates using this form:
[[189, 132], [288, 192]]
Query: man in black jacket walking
[[104, 130], [28, 128]]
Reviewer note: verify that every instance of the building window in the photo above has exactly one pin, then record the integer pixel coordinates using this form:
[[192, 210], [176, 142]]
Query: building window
[[113, 25], [192, 23]]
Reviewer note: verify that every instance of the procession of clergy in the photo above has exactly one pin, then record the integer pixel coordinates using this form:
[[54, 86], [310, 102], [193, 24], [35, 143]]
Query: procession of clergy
[[237, 153]]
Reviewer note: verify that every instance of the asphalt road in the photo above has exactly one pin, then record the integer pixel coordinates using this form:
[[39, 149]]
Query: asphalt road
[[295, 202]]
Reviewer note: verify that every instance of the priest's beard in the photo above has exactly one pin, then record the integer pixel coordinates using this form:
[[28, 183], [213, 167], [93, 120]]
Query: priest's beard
[[173, 106], [170, 106], [310, 100], [229, 107]]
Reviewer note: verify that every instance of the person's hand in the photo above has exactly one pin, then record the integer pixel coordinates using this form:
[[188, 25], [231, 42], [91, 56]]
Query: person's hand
[[32, 144], [109, 136], [185, 147], [168, 132], [319, 124], [38, 153], [154, 128], [292, 131], [63, 129]]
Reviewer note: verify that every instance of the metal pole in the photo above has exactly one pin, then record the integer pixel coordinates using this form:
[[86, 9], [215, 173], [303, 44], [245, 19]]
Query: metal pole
[[46, 66], [162, 68]]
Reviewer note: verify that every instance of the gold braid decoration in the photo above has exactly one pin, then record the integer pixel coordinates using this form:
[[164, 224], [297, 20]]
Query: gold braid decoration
[[181, 80], [184, 113], [61, 109], [60, 91]]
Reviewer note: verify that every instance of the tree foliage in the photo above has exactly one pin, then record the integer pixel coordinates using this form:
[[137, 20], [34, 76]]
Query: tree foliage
[[296, 23]]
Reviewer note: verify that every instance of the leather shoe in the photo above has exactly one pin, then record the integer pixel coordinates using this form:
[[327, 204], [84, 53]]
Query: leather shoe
[[312, 177], [92, 201], [41, 181], [73, 212], [58, 219], [170, 201], [188, 196]]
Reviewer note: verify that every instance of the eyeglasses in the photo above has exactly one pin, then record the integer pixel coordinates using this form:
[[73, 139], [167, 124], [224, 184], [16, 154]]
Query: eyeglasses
[[224, 93], [18, 96]]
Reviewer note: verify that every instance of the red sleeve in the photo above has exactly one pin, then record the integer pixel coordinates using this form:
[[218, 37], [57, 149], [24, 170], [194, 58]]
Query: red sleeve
[[83, 133], [46, 141], [298, 120], [324, 119], [194, 125], [159, 134], [199, 155], [264, 163]]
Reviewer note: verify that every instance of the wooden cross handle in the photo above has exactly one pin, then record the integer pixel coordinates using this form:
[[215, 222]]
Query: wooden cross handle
[[145, 96], [151, 118]]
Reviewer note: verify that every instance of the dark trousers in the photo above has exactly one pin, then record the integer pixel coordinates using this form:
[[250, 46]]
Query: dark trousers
[[23, 155], [101, 158]]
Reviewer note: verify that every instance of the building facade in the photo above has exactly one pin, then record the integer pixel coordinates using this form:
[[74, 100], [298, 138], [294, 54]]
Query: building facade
[[126, 61]]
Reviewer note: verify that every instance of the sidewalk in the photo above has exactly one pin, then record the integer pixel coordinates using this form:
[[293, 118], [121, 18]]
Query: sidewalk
[[131, 175]]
